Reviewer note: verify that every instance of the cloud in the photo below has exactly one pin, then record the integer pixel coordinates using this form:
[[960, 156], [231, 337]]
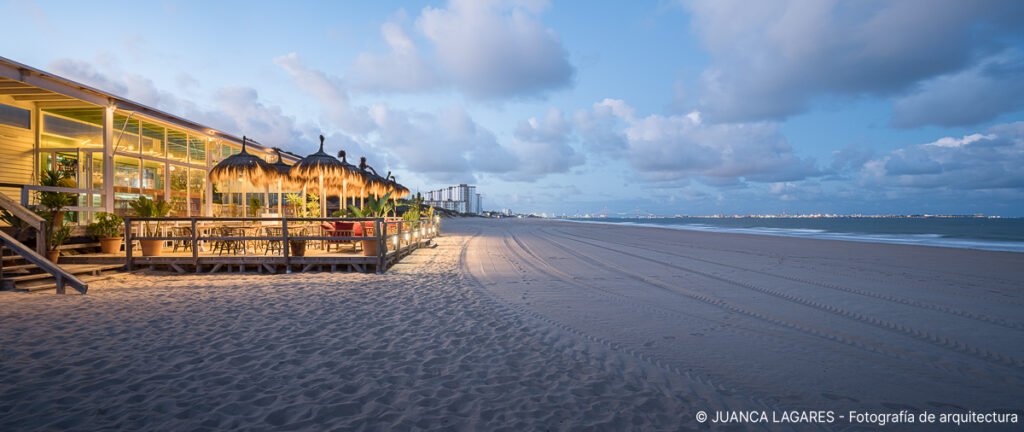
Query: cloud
[[331, 93], [600, 128], [237, 109], [249, 116], [552, 128], [446, 147], [493, 49], [978, 94], [402, 69], [972, 162], [771, 60], [668, 148]]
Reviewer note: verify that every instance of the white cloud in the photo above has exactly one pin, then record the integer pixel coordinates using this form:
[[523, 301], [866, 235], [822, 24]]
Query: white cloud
[[980, 93], [552, 128], [496, 49], [771, 59], [669, 148], [238, 109], [972, 162], [402, 69], [331, 93]]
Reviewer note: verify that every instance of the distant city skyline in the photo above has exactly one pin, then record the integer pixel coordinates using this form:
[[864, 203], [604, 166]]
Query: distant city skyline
[[678, 107]]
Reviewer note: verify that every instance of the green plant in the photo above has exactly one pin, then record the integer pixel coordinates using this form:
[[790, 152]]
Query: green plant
[[312, 205], [58, 236], [374, 207], [147, 208], [107, 225], [255, 205], [295, 201], [53, 203]]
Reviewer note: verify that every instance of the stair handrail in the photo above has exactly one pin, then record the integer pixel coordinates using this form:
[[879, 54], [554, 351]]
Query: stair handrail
[[29, 217], [61, 276]]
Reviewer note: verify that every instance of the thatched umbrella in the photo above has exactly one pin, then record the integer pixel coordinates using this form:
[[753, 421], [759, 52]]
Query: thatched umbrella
[[243, 166], [396, 189], [372, 183], [356, 179], [322, 166], [282, 174]]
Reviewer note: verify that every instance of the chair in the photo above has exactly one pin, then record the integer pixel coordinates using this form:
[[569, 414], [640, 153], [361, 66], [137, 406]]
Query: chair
[[184, 244], [340, 229], [275, 241], [227, 243]]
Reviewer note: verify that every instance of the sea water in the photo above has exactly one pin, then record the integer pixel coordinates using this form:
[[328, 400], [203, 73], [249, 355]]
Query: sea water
[[999, 234]]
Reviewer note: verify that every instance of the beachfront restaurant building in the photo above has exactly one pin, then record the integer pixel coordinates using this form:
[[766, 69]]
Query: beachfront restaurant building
[[116, 150]]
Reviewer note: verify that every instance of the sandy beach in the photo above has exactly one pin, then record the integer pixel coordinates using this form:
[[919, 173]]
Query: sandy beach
[[528, 325]]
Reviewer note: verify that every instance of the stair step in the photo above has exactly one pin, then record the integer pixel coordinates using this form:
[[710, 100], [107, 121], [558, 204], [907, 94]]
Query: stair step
[[18, 267], [75, 269]]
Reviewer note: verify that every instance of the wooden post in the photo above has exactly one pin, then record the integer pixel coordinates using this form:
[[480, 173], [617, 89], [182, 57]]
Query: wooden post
[[41, 235], [284, 245], [381, 246], [195, 245], [398, 248], [128, 243]]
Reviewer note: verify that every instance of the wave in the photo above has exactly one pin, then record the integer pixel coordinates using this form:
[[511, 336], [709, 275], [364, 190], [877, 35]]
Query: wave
[[934, 240]]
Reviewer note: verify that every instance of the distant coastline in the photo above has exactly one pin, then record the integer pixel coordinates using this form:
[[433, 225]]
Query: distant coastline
[[964, 232]]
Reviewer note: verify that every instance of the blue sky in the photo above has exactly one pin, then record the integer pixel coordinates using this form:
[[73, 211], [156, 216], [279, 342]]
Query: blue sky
[[666, 107]]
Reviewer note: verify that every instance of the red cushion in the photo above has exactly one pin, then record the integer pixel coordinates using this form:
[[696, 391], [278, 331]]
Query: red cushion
[[343, 226], [357, 230]]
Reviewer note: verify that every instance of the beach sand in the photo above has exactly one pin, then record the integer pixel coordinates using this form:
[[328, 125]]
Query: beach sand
[[527, 325]]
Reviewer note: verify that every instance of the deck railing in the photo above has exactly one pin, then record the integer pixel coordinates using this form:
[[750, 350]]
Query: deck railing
[[391, 236]]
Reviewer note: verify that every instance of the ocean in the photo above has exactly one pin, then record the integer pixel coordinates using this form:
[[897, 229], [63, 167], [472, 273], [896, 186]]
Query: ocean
[[1005, 234]]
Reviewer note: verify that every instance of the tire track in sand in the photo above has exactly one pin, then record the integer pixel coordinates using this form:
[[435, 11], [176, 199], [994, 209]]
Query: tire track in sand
[[941, 342], [889, 298], [696, 384]]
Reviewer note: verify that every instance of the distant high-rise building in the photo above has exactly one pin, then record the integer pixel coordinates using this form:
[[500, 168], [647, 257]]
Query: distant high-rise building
[[459, 198]]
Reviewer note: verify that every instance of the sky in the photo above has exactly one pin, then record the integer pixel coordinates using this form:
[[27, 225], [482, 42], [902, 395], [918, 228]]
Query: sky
[[621, 108]]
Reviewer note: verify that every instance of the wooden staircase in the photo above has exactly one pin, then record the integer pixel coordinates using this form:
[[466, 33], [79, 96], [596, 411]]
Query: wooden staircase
[[17, 274]]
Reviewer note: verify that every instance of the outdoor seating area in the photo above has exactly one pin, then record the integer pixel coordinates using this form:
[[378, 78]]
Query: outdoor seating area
[[266, 245]]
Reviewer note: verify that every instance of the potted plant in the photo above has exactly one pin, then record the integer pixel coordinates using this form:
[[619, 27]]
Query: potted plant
[[147, 208], [109, 230], [52, 204], [255, 206], [58, 235], [374, 208]]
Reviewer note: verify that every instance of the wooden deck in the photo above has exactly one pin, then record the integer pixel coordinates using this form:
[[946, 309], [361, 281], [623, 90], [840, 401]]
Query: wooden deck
[[393, 245]]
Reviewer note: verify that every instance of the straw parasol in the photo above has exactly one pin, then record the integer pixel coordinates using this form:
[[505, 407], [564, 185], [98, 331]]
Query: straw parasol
[[356, 180], [243, 165], [283, 178], [372, 182], [322, 167]]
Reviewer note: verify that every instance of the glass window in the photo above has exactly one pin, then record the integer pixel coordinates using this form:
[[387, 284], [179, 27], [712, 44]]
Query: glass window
[[177, 145], [153, 139], [14, 116], [153, 180], [126, 183], [126, 134], [197, 149], [67, 132], [179, 190], [197, 191]]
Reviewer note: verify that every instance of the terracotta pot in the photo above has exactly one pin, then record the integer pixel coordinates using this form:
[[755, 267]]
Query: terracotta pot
[[297, 247], [110, 245], [369, 247], [53, 256], [152, 247]]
